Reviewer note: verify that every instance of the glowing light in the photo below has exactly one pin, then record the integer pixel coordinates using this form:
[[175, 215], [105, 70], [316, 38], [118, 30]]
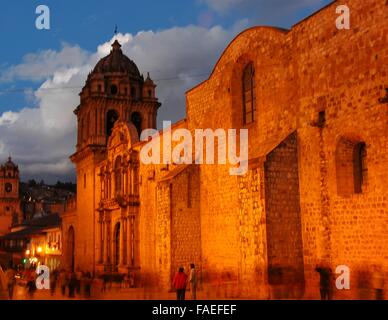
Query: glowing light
[[28, 252], [39, 250]]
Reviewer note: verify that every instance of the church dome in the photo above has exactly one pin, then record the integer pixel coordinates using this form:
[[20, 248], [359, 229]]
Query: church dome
[[10, 165], [117, 62]]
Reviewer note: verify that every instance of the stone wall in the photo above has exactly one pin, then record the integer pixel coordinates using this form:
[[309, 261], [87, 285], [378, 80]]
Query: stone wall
[[185, 221], [307, 74]]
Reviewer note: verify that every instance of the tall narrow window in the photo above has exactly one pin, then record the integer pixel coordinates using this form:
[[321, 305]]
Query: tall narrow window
[[111, 117], [351, 167], [359, 167], [137, 121], [118, 176], [249, 94]]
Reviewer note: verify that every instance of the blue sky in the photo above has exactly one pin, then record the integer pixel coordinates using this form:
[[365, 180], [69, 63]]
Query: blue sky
[[171, 39]]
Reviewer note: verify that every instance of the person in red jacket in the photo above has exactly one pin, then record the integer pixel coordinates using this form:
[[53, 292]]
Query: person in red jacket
[[180, 283]]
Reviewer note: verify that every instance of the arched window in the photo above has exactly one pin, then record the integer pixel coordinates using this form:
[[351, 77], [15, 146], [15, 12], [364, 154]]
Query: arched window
[[136, 120], [133, 93], [351, 167], [118, 176], [111, 117], [113, 89], [249, 94]]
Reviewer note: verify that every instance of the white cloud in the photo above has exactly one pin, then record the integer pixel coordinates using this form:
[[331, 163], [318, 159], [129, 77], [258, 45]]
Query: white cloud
[[43, 64], [8, 118], [41, 139]]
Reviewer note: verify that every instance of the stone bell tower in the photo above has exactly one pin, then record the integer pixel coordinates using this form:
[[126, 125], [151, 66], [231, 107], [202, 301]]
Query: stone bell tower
[[9, 196], [114, 90]]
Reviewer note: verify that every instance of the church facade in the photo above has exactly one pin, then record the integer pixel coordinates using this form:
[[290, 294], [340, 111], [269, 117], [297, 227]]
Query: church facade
[[316, 193]]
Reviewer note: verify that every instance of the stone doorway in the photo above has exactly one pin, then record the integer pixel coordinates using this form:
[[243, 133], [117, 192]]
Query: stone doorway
[[284, 229]]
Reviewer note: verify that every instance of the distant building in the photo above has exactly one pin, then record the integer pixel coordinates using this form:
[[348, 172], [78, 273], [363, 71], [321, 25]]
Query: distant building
[[30, 219], [10, 212], [38, 240]]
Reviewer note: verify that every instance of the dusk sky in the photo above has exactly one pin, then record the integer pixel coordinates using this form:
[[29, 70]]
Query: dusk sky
[[42, 71]]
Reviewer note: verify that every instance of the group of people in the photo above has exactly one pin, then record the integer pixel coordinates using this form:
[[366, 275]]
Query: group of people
[[372, 280], [71, 283], [9, 277], [181, 281]]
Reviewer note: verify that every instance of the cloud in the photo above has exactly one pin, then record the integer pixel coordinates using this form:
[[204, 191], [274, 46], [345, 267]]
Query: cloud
[[41, 138], [43, 64]]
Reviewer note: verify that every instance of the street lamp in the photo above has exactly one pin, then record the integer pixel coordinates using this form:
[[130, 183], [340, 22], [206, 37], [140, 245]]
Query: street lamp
[[28, 252]]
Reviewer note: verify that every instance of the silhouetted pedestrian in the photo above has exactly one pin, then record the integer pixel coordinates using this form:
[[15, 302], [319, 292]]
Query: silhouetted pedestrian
[[378, 283], [73, 283], [325, 282], [31, 282], [10, 276], [53, 281], [63, 281], [87, 279]]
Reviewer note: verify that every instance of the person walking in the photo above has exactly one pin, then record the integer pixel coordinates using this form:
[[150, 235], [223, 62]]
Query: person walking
[[31, 282], [73, 283], [10, 276], [63, 281], [53, 281], [3, 285], [378, 282], [180, 283], [325, 282], [87, 280], [193, 282]]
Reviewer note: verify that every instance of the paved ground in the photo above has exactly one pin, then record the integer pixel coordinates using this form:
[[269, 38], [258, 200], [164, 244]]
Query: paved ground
[[20, 293]]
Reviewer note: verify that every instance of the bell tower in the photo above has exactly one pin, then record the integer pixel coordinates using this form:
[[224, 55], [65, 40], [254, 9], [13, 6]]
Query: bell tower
[[9, 196], [114, 91]]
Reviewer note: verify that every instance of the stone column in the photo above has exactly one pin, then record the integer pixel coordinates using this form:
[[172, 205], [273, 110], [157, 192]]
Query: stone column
[[101, 253], [121, 262], [130, 180], [108, 241], [129, 241], [132, 242], [105, 251], [125, 241]]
